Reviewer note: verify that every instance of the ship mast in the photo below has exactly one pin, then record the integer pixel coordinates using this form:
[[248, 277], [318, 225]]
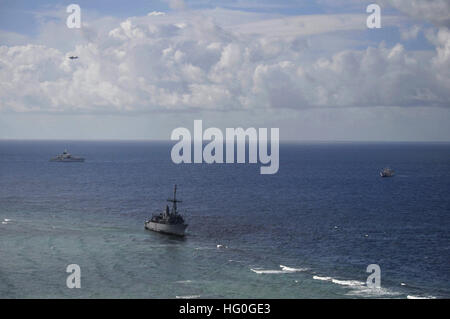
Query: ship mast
[[174, 200]]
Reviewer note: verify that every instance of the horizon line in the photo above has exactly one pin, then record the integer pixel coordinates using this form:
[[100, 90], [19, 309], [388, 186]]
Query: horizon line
[[286, 141]]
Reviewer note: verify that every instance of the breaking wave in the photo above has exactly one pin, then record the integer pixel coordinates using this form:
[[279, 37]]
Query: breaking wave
[[322, 278], [283, 270], [188, 297], [289, 269], [420, 297], [359, 288]]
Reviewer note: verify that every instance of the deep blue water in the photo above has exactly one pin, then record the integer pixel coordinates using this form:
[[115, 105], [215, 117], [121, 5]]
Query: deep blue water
[[327, 213]]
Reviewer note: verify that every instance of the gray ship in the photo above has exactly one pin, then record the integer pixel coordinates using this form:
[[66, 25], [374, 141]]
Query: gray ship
[[387, 172], [168, 222], [66, 157]]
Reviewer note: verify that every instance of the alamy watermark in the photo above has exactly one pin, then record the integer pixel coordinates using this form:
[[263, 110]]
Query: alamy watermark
[[74, 279], [374, 20], [74, 19], [374, 279], [213, 152]]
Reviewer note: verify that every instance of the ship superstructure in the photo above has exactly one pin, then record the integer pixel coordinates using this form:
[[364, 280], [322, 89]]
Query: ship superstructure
[[66, 157], [169, 221]]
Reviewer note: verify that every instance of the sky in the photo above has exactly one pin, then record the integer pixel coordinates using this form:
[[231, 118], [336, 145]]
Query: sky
[[311, 68]]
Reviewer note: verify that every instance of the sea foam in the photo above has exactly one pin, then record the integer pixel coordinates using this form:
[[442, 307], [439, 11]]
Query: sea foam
[[188, 297], [358, 288], [420, 297], [283, 270]]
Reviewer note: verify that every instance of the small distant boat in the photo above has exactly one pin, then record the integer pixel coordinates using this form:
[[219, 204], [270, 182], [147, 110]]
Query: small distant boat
[[66, 157], [387, 172], [168, 222]]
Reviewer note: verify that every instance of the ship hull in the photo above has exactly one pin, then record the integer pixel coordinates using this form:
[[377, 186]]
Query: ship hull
[[386, 175], [78, 160], [171, 229]]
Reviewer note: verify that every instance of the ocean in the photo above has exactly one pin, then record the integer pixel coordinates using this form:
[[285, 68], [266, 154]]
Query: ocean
[[309, 231]]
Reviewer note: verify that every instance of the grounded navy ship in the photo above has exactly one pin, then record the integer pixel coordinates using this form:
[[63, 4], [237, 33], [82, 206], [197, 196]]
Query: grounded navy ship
[[168, 222], [66, 157]]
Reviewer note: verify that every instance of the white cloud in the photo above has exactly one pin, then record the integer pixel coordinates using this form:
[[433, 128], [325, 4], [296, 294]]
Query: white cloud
[[410, 33], [156, 13], [434, 11], [310, 24], [186, 62]]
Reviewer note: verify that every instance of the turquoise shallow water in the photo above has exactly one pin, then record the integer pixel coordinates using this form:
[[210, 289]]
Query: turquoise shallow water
[[325, 216]]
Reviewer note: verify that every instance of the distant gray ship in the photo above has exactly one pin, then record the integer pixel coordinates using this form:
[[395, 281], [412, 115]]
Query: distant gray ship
[[387, 172], [66, 157], [168, 222]]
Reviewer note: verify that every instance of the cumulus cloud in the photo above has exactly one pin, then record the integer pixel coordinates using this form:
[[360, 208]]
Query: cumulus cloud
[[183, 62], [434, 11], [156, 13], [310, 24], [410, 33]]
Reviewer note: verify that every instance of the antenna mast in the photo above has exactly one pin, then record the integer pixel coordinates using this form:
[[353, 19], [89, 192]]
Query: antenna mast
[[174, 200]]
